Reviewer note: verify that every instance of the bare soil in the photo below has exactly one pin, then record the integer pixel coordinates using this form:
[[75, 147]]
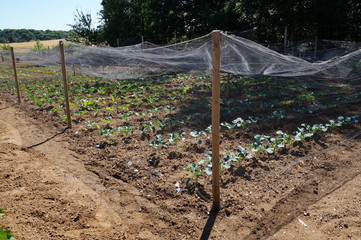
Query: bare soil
[[58, 183], [51, 192]]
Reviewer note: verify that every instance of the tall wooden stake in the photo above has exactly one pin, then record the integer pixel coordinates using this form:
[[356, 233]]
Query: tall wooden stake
[[65, 82], [216, 95], [15, 74]]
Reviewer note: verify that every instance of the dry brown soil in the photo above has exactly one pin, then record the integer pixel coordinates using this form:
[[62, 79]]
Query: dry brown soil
[[52, 187]]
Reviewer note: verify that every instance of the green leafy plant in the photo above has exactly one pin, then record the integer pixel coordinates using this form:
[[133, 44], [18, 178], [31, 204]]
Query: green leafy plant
[[107, 119], [38, 45], [5, 234], [170, 109], [5, 46], [197, 169], [156, 110], [87, 103], [125, 115], [105, 132], [242, 154], [2, 212], [175, 138], [196, 135], [307, 98], [227, 160], [40, 102], [158, 143], [91, 125], [147, 127], [124, 130]]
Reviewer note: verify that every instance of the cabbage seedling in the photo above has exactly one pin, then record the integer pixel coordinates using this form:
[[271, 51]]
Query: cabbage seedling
[[170, 109], [196, 135], [176, 137], [242, 154], [158, 143], [197, 169]]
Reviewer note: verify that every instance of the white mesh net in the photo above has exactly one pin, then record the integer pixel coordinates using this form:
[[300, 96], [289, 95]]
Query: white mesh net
[[5, 56], [239, 56]]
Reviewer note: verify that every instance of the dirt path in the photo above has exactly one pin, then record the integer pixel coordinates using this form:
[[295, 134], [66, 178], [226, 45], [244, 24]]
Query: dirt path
[[49, 193], [336, 216]]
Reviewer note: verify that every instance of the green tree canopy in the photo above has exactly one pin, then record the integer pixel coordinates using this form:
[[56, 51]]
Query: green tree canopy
[[27, 35], [124, 22]]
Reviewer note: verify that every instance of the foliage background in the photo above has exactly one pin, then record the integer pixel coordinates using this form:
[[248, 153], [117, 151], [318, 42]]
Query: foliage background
[[127, 22], [27, 35], [124, 22]]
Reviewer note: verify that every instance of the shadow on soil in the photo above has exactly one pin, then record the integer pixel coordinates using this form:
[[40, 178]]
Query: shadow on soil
[[207, 230], [296, 202], [46, 140]]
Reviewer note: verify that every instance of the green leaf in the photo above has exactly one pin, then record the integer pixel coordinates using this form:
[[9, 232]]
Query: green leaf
[[208, 171], [6, 235], [226, 165]]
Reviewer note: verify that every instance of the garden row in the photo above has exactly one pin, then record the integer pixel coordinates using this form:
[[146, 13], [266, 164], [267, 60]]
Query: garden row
[[167, 111]]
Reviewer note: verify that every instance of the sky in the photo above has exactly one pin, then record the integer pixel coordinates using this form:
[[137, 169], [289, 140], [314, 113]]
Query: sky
[[45, 14]]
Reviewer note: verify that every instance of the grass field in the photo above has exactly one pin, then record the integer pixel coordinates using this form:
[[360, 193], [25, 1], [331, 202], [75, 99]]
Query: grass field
[[25, 46]]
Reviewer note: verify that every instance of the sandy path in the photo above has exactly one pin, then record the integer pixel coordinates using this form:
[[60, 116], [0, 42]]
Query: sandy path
[[46, 190], [340, 211]]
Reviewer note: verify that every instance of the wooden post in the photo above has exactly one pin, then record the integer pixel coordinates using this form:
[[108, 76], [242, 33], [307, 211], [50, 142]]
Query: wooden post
[[65, 82], [216, 95], [15, 74], [142, 47]]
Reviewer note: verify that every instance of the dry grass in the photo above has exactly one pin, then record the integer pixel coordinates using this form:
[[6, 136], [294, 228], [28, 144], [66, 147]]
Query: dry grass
[[26, 46]]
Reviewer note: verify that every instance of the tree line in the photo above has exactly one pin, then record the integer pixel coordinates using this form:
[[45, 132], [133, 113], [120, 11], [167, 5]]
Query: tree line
[[27, 35], [125, 22]]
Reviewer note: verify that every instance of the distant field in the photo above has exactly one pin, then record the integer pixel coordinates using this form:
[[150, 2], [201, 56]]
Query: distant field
[[24, 46]]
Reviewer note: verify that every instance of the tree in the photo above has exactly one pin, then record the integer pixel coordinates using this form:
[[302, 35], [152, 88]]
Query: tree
[[38, 45], [27, 35], [82, 30], [125, 20], [304, 18], [161, 20]]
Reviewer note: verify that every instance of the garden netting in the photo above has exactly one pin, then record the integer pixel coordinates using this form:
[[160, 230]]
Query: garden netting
[[239, 56]]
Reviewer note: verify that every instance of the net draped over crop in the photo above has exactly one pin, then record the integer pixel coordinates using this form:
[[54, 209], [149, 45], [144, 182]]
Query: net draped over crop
[[239, 56]]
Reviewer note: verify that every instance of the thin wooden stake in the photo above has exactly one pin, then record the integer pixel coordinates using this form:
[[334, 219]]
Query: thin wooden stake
[[15, 74], [216, 95], [65, 82]]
